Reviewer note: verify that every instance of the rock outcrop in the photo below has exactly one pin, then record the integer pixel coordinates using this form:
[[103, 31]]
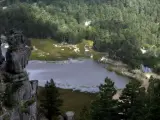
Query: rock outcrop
[[69, 115], [17, 93]]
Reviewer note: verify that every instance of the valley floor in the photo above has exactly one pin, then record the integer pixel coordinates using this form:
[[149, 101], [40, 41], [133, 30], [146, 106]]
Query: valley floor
[[49, 50]]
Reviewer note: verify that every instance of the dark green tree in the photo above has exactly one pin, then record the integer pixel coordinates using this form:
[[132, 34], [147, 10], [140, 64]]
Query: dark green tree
[[85, 114], [132, 101], [50, 102], [104, 108], [153, 100]]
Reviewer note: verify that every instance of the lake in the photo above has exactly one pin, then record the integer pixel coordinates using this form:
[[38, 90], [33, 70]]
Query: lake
[[83, 75]]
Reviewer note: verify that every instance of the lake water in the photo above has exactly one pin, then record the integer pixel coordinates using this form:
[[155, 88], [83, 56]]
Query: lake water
[[83, 75]]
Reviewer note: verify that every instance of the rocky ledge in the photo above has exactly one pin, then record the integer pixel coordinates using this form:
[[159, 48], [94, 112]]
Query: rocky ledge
[[18, 95]]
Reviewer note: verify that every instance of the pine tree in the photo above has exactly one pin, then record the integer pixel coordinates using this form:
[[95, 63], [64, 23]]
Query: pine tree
[[104, 108], [51, 101], [132, 101], [153, 100]]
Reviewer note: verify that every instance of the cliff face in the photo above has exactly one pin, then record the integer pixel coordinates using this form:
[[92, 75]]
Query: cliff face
[[18, 95]]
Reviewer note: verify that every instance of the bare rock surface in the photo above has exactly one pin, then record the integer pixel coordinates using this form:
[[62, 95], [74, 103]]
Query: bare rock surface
[[69, 115], [19, 95]]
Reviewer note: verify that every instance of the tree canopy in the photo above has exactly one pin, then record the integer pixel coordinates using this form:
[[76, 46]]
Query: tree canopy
[[119, 27], [135, 102]]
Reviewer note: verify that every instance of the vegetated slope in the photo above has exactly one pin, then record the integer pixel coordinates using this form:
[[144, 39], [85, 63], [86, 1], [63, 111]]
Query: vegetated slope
[[121, 28]]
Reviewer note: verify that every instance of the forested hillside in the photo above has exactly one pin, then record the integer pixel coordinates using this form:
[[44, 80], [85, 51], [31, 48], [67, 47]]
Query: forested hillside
[[119, 27]]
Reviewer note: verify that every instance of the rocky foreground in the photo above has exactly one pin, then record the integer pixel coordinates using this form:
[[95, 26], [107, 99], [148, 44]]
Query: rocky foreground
[[18, 94]]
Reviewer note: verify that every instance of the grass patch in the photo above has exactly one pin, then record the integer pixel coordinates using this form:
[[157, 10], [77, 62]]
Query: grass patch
[[74, 100], [49, 50]]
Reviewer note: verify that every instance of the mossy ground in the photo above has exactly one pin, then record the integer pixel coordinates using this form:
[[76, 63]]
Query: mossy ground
[[50, 50], [74, 100]]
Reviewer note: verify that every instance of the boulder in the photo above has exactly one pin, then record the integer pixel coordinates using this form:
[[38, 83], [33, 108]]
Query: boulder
[[70, 115]]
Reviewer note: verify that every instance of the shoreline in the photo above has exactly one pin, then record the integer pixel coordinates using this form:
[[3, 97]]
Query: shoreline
[[115, 66], [123, 69]]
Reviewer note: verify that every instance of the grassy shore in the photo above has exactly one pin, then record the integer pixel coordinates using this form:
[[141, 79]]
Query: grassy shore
[[50, 50], [74, 100]]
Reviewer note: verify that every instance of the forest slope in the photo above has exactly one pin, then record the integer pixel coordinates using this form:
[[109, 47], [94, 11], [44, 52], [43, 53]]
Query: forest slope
[[127, 30]]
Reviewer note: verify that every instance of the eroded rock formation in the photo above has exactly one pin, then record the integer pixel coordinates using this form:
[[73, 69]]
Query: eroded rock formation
[[17, 93]]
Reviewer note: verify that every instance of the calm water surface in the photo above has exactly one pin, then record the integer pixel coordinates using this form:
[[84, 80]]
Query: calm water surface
[[83, 75]]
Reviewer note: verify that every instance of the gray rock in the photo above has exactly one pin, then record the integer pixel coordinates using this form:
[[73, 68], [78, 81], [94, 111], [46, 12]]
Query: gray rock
[[19, 91], [70, 115]]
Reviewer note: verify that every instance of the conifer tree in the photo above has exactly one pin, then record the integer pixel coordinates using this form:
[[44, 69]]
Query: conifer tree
[[51, 101], [132, 101], [104, 108], [153, 100]]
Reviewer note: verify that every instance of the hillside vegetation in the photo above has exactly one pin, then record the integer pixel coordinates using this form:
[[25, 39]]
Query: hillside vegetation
[[128, 30]]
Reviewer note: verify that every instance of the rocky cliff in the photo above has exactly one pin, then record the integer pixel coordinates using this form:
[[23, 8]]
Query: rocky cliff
[[18, 95]]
